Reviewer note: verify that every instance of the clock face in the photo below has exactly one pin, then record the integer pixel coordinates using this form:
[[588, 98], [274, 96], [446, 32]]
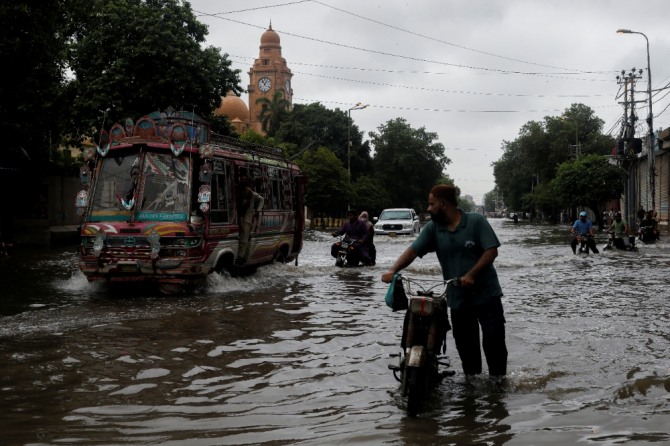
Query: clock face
[[264, 84]]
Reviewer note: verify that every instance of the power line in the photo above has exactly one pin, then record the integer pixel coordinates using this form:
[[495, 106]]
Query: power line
[[440, 90], [445, 110], [400, 56], [386, 70]]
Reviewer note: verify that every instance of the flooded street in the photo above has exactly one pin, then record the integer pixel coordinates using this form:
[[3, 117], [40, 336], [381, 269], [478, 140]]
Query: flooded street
[[299, 354]]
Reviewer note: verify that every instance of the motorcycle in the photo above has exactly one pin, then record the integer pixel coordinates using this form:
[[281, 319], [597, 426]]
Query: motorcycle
[[586, 243], [347, 252], [646, 234], [424, 335], [619, 243]]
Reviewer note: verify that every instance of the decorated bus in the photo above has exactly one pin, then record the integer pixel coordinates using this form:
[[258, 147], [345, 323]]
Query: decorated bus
[[161, 203]]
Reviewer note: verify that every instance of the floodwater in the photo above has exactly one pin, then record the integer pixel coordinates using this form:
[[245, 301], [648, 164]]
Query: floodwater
[[299, 354]]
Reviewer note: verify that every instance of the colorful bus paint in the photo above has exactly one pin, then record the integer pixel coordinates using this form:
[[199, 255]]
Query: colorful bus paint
[[160, 203]]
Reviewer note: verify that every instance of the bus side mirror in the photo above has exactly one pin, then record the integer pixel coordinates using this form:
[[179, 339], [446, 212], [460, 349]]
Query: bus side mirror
[[205, 173], [84, 175]]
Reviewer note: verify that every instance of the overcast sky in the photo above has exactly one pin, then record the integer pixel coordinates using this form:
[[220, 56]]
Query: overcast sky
[[471, 71]]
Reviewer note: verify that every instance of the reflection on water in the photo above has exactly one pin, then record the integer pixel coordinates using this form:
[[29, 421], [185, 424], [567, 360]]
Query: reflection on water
[[298, 354]]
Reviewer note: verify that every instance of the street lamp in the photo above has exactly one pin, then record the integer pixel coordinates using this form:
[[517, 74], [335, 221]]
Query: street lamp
[[358, 106], [650, 121]]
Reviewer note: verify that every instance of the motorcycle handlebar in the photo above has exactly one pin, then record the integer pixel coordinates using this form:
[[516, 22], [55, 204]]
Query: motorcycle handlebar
[[427, 285]]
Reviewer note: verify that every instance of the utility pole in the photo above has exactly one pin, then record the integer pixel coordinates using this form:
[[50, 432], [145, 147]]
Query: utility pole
[[627, 149]]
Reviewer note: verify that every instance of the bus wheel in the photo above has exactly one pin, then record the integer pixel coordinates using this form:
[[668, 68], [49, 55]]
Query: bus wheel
[[225, 263], [282, 255]]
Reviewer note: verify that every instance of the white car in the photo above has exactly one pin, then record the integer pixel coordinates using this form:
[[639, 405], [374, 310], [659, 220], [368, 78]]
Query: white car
[[397, 221]]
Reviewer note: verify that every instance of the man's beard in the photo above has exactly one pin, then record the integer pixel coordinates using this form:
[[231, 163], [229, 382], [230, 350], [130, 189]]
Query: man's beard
[[438, 218]]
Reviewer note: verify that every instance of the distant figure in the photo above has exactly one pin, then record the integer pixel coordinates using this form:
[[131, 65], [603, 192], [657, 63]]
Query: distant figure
[[371, 235], [516, 219], [640, 215], [649, 228]]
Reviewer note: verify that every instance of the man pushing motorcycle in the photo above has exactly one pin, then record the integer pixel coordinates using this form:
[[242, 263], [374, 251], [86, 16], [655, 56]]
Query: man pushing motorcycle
[[466, 247]]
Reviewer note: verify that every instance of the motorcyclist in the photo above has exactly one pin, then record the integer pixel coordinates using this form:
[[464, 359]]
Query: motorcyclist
[[648, 231], [583, 229], [358, 233], [621, 233]]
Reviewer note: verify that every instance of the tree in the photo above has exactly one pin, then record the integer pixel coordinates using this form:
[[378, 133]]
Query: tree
[[221, 125], [407, 162], [33, 39], [273, 111], [466, 203], [137, 56], [531, 160], [546, 199], [328, 187], [588, 180], [314, 122], [370, 195]]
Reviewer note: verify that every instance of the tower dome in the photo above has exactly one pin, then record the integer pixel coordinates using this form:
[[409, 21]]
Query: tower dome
[[270, 37], [233, 107]]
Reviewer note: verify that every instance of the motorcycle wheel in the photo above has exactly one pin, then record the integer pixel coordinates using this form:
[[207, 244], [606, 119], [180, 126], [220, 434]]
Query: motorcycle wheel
[[339, 261], [416, 390]]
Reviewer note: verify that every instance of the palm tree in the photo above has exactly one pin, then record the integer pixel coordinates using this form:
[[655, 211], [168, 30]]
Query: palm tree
[[272, 111]]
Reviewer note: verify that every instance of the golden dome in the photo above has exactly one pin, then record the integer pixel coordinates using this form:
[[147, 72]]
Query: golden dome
[[233, 107], [270, 37]]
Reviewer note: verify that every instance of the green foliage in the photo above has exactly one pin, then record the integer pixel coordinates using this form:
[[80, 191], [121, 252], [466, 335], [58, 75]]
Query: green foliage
[[314, 122], [328, 188], [137, 56], [532, 159], [307, 123], [370, 195], [221, 125], [466, 203], [33, 38], [588, 180], [407, 162], [273, 111], [546, 199]]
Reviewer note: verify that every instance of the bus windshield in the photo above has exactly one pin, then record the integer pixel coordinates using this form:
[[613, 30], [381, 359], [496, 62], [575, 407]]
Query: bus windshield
[[154, 185]]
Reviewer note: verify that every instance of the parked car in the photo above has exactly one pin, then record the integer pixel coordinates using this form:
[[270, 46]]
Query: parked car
[[397, 221]]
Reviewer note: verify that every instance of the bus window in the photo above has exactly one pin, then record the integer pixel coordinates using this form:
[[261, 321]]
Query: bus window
[[276, 193], [222, 203], [117, 181]]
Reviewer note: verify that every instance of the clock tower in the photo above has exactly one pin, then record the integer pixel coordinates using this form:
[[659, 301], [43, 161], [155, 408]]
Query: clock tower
[[268, 75]]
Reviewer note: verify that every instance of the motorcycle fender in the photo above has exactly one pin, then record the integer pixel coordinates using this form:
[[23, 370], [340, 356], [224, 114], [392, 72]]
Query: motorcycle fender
[[416, 356]]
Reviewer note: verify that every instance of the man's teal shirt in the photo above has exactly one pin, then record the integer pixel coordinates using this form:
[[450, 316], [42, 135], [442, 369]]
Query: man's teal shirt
[[458, 251]]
